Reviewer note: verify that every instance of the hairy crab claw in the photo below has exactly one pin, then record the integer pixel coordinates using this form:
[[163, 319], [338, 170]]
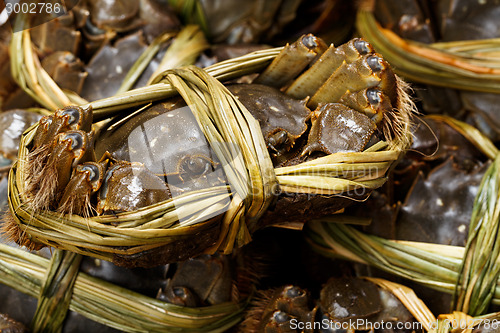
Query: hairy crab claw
[[66, 151], [128, 186], [68, 118], [42, 163], [274, 310], [336, 127], [354, 75], [86, 180], [341, 300]]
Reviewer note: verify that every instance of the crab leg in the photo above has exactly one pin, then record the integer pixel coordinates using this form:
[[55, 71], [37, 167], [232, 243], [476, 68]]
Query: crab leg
[[312, 79], [291, 61], [60, 143], [86, 179], [355, 76]]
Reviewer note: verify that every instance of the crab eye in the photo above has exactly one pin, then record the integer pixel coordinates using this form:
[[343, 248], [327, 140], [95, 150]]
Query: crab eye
[[183, 296], [280, 317], [373, 95], [76, 139], [278, 139], [362, 46], [375, 63], [73, 113], [195, 165]]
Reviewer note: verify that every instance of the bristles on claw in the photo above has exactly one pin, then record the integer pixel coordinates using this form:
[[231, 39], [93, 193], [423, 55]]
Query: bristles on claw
[[255, 313], [45, 188], [35, 162], [73, 205], [397, 123], [251, 266], [10, 231]]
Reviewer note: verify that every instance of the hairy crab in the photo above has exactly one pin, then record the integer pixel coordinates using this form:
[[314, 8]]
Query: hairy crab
[[344, 304], [160, 152]]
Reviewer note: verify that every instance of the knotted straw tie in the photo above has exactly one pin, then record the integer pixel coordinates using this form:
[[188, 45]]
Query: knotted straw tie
[[237, 140]]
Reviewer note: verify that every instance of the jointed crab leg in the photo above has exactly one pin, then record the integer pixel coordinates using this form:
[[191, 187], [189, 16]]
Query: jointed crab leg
[[309, 82], [291, 61], [61, 142], [368, 71]]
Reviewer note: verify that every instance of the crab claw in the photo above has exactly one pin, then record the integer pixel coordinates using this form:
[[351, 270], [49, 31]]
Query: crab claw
[[337, 128], [86, 180], [44, 141], [66, 151], [65, 119], [130, 186], [277, 309]]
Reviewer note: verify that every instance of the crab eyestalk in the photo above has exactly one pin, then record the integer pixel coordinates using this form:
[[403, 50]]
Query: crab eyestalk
[[180, 296], [191, 167]]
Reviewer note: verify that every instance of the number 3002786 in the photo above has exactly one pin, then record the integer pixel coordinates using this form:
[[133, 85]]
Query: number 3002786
[[34, 8]]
